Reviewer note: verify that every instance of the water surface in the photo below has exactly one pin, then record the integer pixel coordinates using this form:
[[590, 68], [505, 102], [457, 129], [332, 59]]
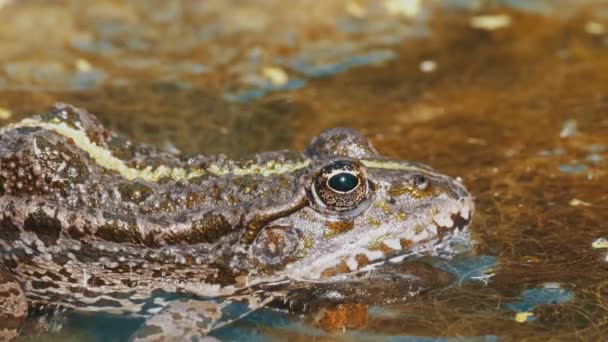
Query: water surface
[[518, 108]]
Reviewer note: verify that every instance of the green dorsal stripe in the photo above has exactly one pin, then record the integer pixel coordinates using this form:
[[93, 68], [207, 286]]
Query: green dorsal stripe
[[105, 159]]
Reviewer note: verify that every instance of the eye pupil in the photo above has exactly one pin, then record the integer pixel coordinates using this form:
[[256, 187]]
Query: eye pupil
[[343, 182]]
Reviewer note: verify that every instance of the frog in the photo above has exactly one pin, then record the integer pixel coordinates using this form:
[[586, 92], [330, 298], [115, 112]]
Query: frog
[[94, 222]]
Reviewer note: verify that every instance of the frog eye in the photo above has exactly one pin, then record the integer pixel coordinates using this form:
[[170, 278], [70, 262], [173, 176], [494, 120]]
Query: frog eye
[[340, 186]]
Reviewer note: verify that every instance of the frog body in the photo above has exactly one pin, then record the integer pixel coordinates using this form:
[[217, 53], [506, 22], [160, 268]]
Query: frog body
[[93, 222]]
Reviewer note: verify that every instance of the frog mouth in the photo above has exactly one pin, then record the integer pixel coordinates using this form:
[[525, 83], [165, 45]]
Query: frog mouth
[[448, 230]]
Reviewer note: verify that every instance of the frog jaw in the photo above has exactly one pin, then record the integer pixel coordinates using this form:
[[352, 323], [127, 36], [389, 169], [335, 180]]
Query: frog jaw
[[334, 249]]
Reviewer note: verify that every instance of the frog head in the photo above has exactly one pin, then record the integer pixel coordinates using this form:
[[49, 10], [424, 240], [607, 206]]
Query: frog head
[[361, 209]]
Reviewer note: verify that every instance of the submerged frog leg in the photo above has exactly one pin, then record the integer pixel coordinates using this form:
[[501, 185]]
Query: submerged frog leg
[[194, 319], [13, 306]]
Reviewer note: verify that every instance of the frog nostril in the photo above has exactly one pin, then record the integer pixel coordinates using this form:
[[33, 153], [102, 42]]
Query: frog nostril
[[421, 182]]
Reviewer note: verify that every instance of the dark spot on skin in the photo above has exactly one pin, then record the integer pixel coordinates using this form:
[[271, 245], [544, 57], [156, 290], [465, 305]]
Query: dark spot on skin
[[9, 293], [362, 260], [158, 274], [337, 227], [65, 273], [341, 268], [381, 247], [53, 276], [193, 199], [135, 192], [459, 224], [60, 259], [75, 233], [121, 148], [209, 229], [151, 240], [104, 302], [78, 233], [46, 228], [95, 281], [10, 264], [5, 277], [39, 285], [119, 229], [406, 244], [459, 221], [9, 231]]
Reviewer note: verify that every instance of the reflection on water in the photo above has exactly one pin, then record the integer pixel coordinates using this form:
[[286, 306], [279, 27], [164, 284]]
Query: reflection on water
[[510, 95]]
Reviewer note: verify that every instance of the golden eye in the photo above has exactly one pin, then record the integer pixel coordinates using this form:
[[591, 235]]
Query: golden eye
[[340, 185]]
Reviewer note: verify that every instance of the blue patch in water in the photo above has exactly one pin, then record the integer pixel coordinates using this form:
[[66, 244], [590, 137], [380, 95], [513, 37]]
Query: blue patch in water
[[137, 44], [254, 94], [537, 296], [273, 319], [105, 327], [245, 329], [597, 148], [558, 151], [468, 267], [489, 338], [193, 68], [245, 95], [111, 29], [325, 70], [101, 47], [88, 79], [572, 168], [594, 158]]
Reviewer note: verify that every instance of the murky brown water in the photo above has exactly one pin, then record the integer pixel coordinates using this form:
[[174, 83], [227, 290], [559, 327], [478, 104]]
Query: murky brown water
[[498, 109]]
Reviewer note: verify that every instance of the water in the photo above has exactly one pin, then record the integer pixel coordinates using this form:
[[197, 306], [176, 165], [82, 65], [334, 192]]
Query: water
[[519, 112]]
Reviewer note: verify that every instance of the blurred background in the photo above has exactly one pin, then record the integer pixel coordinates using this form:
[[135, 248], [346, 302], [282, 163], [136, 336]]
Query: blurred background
[[509, 95]]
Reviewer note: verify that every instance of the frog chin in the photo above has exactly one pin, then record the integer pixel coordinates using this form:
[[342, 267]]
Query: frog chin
[[341, 266]]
